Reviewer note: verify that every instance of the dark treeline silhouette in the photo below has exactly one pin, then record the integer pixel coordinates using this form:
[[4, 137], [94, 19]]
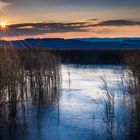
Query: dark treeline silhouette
[[92, 43], [26, 76], [94, 56]]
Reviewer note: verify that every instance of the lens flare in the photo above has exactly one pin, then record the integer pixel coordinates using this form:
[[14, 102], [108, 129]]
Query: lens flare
[[2, 24]]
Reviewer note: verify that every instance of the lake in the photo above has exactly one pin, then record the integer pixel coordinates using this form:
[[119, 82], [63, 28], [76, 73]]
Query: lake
[[87, 109]]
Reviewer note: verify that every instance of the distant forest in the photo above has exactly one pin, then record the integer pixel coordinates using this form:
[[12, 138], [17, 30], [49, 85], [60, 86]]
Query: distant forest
[[114, 43], [83, 51]]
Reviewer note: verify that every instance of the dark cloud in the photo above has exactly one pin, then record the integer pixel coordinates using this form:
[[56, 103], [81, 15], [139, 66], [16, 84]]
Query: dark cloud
[[92, 19], [29, 29], [117, 23]]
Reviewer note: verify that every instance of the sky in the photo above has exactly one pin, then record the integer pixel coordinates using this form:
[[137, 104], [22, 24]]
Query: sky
[[70, 18]]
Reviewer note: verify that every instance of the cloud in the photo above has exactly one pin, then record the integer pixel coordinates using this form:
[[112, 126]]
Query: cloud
[[3, 5], [92, 19], [28, 29], [120, 22], [31, 29]]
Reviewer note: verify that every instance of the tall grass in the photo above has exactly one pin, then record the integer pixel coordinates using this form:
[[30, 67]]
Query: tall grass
[[26, 76], [133, 64], [129, 84], [108, 113]]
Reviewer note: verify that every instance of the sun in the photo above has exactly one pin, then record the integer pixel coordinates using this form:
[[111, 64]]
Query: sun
[[3, 24]]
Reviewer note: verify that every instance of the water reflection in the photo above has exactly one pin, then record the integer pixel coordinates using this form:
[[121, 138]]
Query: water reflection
[[84, 111]]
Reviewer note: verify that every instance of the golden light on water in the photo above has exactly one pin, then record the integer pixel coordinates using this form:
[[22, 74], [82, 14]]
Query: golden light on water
[[3, 24]]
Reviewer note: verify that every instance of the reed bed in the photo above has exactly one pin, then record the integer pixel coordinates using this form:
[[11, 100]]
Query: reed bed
[[26, 75], [129, 84], [133, 64]]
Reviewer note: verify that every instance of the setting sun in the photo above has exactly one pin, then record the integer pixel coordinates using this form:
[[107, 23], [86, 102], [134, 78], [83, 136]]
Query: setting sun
[[3, 24]]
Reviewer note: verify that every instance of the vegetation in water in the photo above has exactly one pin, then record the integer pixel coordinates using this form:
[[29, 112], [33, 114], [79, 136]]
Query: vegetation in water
[[26, 76]]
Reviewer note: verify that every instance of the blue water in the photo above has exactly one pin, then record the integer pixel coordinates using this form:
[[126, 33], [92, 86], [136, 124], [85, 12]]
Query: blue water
[[80, 112]]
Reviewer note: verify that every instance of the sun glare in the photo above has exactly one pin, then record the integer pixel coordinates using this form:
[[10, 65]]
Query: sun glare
[[3, 24]]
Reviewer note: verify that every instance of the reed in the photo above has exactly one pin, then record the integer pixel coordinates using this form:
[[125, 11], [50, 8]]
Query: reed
[[133, 64], [108, 109], [26, 75]]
